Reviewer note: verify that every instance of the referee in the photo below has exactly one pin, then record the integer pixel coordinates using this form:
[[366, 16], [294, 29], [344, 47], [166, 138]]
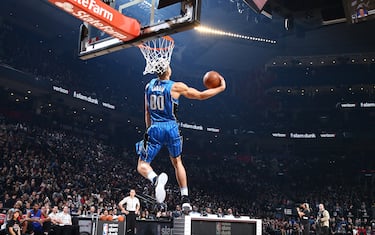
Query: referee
[[131, 210]]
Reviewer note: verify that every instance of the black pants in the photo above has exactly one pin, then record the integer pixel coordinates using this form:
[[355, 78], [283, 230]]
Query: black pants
[[306, 229], [324, 230], [61, 230], [130, 223]]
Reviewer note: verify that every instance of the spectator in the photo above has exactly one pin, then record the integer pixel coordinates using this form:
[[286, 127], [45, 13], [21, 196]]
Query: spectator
[[323, 220], [35, 216], [14, 225], [54, 216]]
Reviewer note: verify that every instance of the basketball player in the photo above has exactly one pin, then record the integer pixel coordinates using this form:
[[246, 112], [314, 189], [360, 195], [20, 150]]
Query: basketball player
[[161, 100]]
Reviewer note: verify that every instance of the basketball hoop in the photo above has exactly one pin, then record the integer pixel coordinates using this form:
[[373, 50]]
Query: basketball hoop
[[157, 53]]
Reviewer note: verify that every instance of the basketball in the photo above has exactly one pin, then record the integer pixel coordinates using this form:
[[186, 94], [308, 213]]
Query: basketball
[[211, 79], [121, 218]]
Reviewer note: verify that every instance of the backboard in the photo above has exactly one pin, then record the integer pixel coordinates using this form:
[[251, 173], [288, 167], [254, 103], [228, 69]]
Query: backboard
[[157, 18]]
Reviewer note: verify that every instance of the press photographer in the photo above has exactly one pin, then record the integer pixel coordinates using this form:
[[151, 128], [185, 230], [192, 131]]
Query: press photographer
[[304, 214]]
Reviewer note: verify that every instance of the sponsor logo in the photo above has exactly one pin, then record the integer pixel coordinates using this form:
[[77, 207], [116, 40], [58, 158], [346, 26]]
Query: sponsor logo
[[90, 5], [92, 13], [85, 98]]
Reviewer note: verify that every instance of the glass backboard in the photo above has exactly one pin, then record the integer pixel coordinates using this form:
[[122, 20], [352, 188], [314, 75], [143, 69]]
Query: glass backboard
[[173, 17]]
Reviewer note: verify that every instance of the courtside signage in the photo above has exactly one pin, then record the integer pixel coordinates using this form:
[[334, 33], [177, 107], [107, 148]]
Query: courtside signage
[[101, 16]]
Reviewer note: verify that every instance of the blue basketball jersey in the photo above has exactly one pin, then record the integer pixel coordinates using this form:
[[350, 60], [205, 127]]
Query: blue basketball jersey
[[36, 215], [160, 103], [164, 129]]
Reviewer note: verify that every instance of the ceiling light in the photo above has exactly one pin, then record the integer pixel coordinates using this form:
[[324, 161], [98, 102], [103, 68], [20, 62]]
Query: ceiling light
[[208, 30]]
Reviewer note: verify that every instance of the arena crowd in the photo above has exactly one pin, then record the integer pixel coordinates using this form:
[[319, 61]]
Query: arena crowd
[[57, 168]]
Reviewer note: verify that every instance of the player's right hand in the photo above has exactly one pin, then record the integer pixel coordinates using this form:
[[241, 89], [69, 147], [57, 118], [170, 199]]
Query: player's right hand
[[222, 83], [145, 139]]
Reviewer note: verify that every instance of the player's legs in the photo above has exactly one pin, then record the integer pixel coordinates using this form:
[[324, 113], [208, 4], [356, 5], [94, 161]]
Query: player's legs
[[147, 150], [179, 171], [175, 149], [182, 182], [146, 153], [144, 168]]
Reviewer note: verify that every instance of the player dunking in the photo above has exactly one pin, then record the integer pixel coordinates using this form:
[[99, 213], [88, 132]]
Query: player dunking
[[161, 100]]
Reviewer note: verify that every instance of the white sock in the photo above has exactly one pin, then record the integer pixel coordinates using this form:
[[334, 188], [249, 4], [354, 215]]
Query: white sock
[[184, 191], [151, 175]]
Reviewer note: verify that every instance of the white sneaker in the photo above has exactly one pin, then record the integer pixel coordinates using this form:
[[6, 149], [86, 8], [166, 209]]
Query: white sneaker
[[160, 193], [186, 203], [187, 207]]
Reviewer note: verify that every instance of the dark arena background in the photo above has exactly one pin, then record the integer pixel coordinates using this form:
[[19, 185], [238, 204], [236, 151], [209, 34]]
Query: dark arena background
[[296, 123]]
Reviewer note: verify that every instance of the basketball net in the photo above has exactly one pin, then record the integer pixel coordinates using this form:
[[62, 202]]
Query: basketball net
[[158, 53]]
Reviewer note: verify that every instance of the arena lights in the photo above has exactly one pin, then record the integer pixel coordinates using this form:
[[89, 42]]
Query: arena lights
[[208, 30], [322, 60]]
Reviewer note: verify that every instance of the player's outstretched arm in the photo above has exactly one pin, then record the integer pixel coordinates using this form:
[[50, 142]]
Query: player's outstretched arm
[[191, 93]]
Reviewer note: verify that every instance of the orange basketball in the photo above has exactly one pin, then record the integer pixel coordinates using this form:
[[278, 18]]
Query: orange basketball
[[211, 79], [109, 217], [121, 218], [103, 217]]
